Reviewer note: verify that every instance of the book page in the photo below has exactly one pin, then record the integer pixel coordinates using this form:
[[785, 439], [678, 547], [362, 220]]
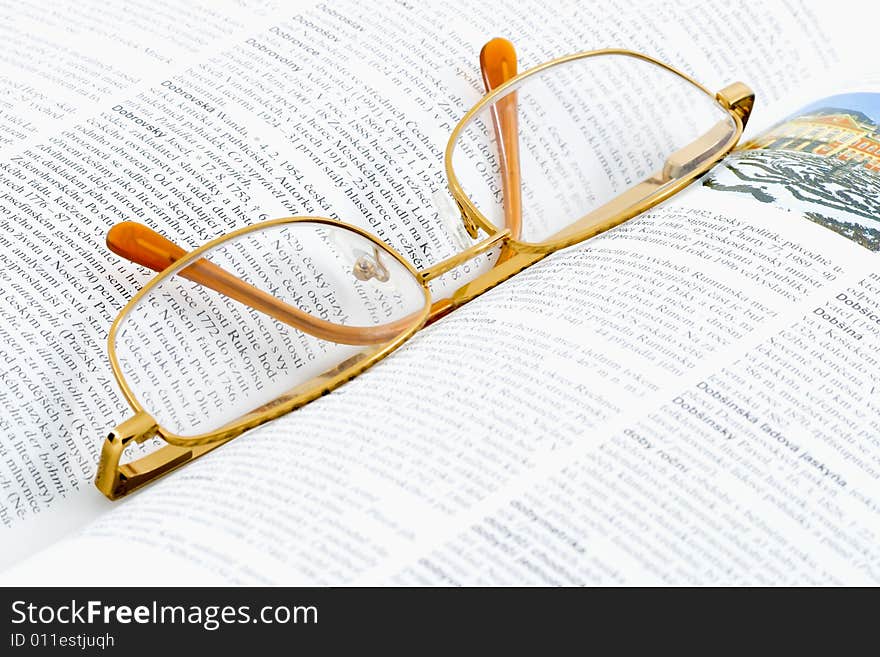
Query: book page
[[63, 60], [335, 473]]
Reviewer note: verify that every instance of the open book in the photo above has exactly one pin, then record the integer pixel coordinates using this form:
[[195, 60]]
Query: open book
[[692, 397]]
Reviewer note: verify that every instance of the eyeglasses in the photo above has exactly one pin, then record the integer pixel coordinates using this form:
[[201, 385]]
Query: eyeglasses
[[267, 318]]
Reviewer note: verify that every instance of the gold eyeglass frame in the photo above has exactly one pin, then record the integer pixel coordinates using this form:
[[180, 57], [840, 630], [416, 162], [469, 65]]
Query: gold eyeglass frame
[[115, 480]]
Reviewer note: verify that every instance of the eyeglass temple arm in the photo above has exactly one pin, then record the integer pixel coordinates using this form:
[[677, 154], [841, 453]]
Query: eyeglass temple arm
[[144, 246], [498, 64]]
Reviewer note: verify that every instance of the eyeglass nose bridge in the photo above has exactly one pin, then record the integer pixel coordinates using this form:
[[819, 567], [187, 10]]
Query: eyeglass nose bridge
[[495, 239]]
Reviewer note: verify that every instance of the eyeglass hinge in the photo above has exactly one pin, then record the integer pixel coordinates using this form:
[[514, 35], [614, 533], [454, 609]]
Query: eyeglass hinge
[[137, 428], [739, 98]]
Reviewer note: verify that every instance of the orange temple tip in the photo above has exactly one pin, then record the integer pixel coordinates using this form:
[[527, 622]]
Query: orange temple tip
[[497, 62], [142, 245]]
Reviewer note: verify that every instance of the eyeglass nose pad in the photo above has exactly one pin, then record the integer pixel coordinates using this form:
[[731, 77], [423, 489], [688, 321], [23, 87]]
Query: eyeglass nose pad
[[461, 228], [366, 268]]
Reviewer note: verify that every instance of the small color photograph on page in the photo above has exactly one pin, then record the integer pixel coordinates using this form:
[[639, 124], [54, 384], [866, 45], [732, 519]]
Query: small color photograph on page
[[823, 162]]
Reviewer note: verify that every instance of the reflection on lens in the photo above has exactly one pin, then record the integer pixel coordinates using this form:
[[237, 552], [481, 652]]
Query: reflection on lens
[[259, 316], [586, 132]]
